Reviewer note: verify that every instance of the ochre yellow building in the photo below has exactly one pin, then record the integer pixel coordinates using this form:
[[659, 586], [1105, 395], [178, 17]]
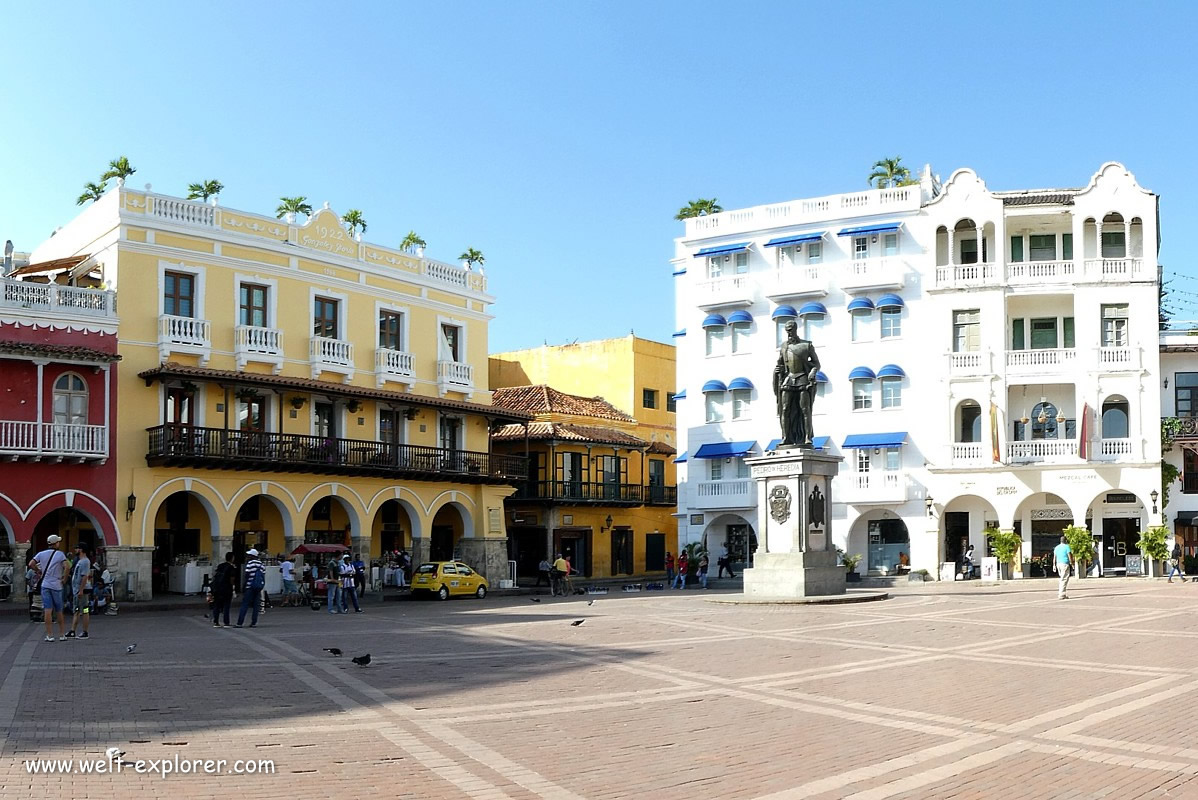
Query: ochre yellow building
[[285, 383], [602, 481]]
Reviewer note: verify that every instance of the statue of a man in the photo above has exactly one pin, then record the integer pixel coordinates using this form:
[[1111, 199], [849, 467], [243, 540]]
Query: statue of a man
[[794, 387]]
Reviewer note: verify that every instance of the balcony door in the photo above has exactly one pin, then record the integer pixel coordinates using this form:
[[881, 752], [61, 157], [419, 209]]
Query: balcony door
[[324, 318], [326, 420], [70, 400], [610, 474], [657, 480], [253, 305], [570, 466]]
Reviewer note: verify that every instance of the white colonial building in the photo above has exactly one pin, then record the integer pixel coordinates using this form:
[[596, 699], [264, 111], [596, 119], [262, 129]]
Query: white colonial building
[[989, 359]]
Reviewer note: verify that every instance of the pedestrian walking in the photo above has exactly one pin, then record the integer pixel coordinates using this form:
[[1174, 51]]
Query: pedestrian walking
[[669, 568], [81, 590], [332, 581], [561, 568], [1175, 562], [360, 576], [290, 588], [543, 570], [349, 585], [1063, 556], [967, 563], [702, 573], [255, 580], [680, 581], [724, 562], [224, 582], [50, 567]]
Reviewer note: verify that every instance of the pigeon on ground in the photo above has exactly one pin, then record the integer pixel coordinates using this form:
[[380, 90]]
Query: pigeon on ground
[[535, 599], [591, 603], [114, 754], [129, 650], [361, 661], [334, 650], [577, 622]]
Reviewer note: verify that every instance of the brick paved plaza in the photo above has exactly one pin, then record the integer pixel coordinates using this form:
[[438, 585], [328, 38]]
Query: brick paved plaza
[[943, 691]]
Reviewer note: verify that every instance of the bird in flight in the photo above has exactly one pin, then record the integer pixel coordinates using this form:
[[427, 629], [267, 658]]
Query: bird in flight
[[129, 650], [577, 622], [334, 650], [361, 661]]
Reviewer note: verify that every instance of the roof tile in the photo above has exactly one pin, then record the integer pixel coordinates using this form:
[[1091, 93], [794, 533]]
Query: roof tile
[[542, 399]]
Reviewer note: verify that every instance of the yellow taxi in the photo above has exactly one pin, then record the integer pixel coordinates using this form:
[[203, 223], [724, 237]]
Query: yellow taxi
[[448, 577]]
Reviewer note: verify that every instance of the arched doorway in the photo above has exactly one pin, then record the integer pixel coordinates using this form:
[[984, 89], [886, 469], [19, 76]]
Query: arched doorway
[[449, 527], [393, 528], [734, 532], [183, 526], [886, 540], [262, 523], [72, 525], [965, 519], [1115, 519], [329, 521]]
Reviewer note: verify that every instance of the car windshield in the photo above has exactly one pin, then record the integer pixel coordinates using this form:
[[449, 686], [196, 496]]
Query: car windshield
[[426, 569]]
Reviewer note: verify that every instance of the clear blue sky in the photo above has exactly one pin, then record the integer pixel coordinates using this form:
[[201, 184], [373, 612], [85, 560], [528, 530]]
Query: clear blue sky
[[561, 138]]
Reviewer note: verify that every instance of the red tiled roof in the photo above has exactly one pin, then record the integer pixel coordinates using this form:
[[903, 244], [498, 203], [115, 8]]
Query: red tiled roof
[[544, 399], [567, 432], [329, 388], [70, 352], [661, 448]]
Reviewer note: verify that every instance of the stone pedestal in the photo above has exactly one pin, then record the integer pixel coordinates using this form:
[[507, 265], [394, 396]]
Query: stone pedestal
[[795, 555], [122, 560], [488, 556]]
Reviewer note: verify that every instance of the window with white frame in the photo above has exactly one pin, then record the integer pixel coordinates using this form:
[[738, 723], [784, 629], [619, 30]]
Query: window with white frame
[[1114, 325], [715, 406], [451, 342], [741, 262], [715, 469], [892, 392], [890, 244], [715, 267], [715, 341], [789, 255], [862, 459], [860, 247], [742, 469], [894, 458], [863, 394], [740, 336], [815, 252], [892, 322], [1042, 246], [70, 400], [1114, 245], [741, 403], [861, 325], [967, 330]]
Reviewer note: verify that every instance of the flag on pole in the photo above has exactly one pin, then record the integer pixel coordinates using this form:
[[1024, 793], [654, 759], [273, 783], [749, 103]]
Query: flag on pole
[[1083, 433], [994, 448]]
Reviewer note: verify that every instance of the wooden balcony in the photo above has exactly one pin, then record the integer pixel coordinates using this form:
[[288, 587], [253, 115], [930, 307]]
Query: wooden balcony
[[218, 448], [602, 494]]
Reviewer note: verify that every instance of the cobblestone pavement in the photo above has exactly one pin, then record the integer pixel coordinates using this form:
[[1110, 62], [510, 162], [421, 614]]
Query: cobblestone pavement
[[942, 691]]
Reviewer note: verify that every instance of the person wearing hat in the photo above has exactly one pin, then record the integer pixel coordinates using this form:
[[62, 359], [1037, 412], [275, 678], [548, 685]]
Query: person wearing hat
[[81, 590], [50, 566], [349, 587], [255, 579]]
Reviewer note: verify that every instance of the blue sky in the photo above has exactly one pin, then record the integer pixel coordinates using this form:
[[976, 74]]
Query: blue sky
[[561, 138]]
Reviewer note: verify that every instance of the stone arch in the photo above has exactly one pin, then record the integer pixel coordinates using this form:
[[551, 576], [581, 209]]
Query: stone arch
[[95, 510], [394, 525], [893, 534], [1115, 518], [717, 531], [967, 427], [449, 524], [408, 500], [208, 498], [963, 522], [276, 519], [1115, 417]]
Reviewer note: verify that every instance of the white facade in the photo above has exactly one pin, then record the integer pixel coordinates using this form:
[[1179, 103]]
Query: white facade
[[1179, 391], [1052, 319]]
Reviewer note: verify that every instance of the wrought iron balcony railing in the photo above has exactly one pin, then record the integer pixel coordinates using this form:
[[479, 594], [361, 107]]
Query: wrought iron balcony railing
[[597, 493]]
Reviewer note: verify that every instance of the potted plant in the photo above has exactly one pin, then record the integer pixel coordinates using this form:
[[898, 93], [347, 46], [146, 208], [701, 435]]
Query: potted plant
[[850, 562], [918, 576], [413, 242], [1006, 546], [694, 552], [1081, 544], [1154, 546]]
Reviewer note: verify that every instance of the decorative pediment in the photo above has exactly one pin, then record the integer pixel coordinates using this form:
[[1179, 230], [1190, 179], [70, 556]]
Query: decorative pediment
[[325, 232]]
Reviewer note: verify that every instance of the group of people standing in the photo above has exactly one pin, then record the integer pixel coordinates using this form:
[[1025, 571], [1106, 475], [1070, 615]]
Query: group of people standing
[[62, 582], [677, 579], [344, 581]]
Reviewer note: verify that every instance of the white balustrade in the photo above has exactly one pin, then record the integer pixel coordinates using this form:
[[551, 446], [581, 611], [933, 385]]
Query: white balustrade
[[455, 372], [324, 350], [186, 212], [53, 439], [880, 486], [1118, 358], [970, 362], [1112, 449], [864, 273], [52, 297], [958, 276], [447, 273], [1116, 269], [815, 209], [251, 339], [393, 362], [1048, 360], [794, 280], [1041, 449], [1040, 271], [184, 331], [724, 494], [967, 452], [735, 285]]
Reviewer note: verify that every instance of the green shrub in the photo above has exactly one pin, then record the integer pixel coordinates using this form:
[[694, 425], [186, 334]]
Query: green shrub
[[1081, 543], [1152, 543], [850, 561], [1006, 544]]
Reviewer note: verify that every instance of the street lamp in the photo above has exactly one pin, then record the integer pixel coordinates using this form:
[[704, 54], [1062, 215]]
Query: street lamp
[[1154, 494], [927, 503]]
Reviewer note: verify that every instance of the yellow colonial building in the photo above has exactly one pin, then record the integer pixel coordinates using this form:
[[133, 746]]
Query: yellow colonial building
[[602, 484], [287, 383]]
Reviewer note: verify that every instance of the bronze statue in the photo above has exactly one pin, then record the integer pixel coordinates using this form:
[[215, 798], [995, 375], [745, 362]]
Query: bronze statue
[[794, 387]]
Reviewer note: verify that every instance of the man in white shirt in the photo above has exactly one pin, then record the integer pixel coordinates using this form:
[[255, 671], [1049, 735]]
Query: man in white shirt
[[51, 567], [290, 590]]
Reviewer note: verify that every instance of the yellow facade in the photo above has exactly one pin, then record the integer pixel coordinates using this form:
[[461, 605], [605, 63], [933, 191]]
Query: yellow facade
[[253, 352], [619, 371]]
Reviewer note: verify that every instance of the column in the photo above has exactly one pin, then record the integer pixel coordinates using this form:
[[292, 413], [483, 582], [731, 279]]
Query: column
[[952, 247], [1127, 242], [981, 249], [41, 392]]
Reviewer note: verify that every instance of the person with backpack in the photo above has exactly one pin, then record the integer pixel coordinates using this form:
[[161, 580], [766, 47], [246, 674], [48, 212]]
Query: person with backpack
[[255, 580], [1175, 561], [50, 567], [224, 582]]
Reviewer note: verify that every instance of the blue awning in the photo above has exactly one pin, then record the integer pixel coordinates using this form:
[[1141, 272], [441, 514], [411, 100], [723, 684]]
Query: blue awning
[[681, 459], [714, 321], [890, 301], [798, 238], [680, 333], [862, 373], [820, 377], [875, 439], [739, 316], [861, 304], [880, 227], [739, 247], [740, 383], [680, 395], [679, 271], [724, 450], [813, 309], [891, 371], [715, 386], [784, 312], [819, 442]]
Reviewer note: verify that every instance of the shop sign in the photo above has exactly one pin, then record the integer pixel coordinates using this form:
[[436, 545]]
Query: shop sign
[[1135, 565]]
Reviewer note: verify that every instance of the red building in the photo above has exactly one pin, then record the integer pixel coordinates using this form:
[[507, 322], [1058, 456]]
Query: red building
[[58, 389]]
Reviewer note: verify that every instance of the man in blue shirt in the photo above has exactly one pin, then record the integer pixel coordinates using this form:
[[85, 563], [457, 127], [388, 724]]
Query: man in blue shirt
[[1063, 556]]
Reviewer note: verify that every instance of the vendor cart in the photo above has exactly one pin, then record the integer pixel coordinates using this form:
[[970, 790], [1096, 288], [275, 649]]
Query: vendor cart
[[318, 586]]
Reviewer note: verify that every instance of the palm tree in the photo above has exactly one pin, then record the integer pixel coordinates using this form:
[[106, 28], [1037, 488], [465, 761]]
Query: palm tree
[[92, 191], [290, 206], [354, 220], [412, 240], [204, 190], [889, 172], [699, 208], [118, 168], [472, 257]]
